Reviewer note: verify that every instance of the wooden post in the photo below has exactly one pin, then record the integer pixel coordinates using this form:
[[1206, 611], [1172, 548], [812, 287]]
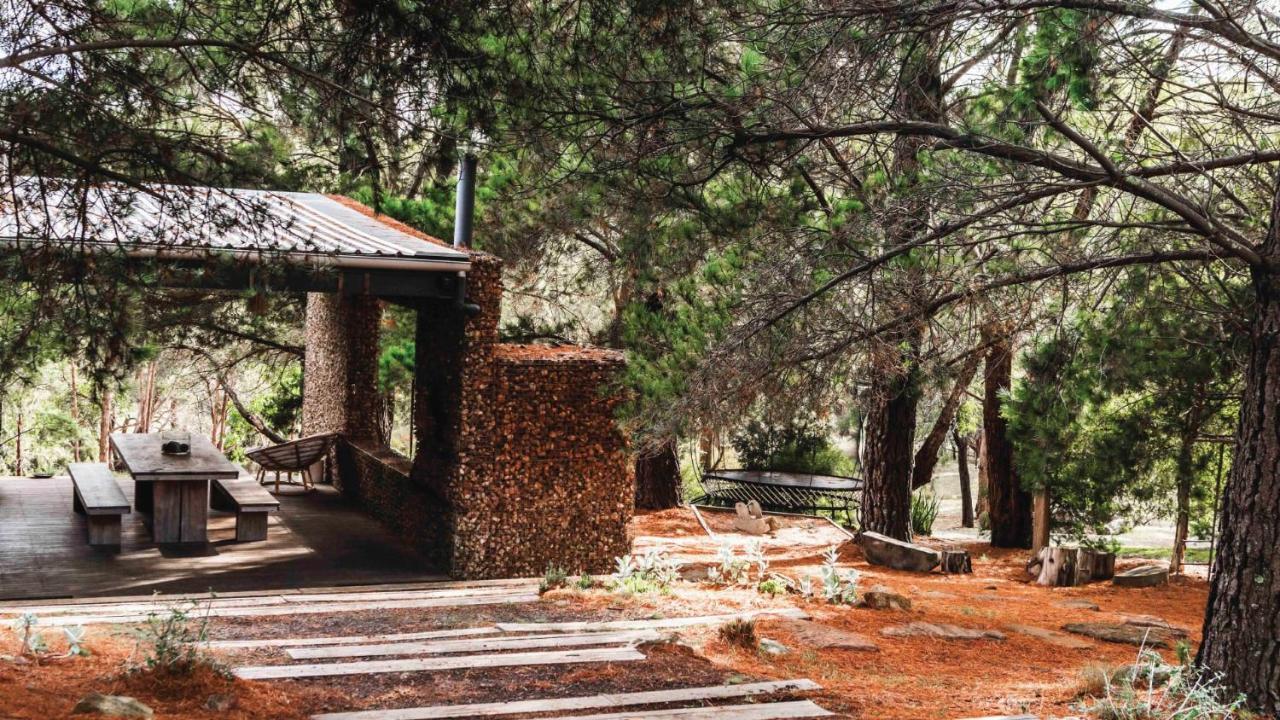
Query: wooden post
[[1040, 513]]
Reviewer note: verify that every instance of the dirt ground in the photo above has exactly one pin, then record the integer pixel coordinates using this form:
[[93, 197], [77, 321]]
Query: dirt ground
[[908, 677]]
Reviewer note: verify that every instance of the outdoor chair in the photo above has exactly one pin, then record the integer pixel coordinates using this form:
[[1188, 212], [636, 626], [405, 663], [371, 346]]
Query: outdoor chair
[[295, 456]]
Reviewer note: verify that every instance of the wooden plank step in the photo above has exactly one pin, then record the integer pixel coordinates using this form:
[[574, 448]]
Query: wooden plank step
[[763, 711], [367, 667], [350, 639], [17, 607], [574, 627], [654, 697], [281, 599], [269, 611], [474, 645]]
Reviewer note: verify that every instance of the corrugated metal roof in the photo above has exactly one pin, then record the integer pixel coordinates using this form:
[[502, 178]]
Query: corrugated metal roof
[[184, 222]]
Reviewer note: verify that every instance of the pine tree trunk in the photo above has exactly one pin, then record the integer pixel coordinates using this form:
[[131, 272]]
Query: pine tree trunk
[[927, 456], [890, 436], [104, 425], [1009, 506], [1242, 622], [966, 488], [1186, 473], [658, 478], [75, 415]]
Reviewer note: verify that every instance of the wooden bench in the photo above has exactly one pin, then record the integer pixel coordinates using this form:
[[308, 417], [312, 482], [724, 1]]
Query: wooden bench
[[249, 501], [98, 498]]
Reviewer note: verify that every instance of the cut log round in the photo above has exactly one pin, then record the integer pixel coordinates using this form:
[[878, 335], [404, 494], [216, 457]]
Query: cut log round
[[956, 562], [1142, 576], [899, 555], [1104, 565], [1057, 567]]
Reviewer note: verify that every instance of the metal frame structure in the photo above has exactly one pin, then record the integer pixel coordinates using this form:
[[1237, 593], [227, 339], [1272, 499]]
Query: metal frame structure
[[782, 491]]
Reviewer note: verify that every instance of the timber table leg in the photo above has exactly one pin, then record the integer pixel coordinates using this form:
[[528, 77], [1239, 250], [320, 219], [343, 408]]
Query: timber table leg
[[181, 511]]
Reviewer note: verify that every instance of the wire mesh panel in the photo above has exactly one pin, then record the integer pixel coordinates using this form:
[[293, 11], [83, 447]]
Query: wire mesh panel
[[783, 491]]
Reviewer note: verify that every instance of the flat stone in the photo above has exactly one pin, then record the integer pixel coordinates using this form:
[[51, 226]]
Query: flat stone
[[111, 706], [1078, 605], [825, 637], [773, 647], [1128, 634], [1142, 576], [1052, 637], [882, 598], [941, 631], [896, 554]]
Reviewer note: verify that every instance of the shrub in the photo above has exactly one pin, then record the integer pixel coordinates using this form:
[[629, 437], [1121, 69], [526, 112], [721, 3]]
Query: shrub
[[173, 642], [740, 633], [838, 588], [796, 446], [734, 570], [654, 572], [34, 644], [772, 586], [924, 510], [553, 578], [1135, 693]]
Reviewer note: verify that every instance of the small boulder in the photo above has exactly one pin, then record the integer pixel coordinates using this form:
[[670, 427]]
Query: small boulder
[[220, 702], [825, 637], [1050, 636], [111, 706], [882, 598], [1127, 634], [1142, 576], [1078, 605], [941, 631], [773, 648], [896, 554]]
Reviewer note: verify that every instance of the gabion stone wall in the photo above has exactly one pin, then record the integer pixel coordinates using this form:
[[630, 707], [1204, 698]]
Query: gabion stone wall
[[518, 461], [378, 479], [559, 488]]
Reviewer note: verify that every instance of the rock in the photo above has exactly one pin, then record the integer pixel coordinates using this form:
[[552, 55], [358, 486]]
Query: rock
[[1149, 621], [1050, 636], [940, 631], [773, 648], [1129, 634], [695, 572], [1142, 576], [884, 550], [882, 598], [939, 595], [220, 702], [111, 706], [750, 519], [1078, 605], [1145, 675], [825, 637]]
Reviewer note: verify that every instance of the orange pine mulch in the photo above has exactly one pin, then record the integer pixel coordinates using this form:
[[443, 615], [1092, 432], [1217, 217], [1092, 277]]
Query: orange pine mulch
[[912, 678]]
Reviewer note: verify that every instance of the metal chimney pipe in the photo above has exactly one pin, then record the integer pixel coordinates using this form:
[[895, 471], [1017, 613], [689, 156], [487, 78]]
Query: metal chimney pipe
[[466, 204]]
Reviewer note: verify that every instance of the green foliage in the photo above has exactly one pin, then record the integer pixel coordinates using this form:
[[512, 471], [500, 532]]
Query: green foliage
[[924, 510], [1108, 411], [174, 642], [793, 446], [1152, 689], [554, 577], [839, 588], [772, 586], [652, 572]]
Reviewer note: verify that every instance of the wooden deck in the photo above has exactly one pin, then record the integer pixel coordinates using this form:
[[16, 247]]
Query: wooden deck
[[316, 539]]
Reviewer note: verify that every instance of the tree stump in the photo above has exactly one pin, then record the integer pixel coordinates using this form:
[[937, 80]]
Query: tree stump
[[956, 562], [1084, 566], [1104, 565], [1058, 567]]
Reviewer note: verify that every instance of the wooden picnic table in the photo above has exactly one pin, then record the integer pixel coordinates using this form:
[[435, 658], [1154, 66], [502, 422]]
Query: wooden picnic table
[[173, 490]]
